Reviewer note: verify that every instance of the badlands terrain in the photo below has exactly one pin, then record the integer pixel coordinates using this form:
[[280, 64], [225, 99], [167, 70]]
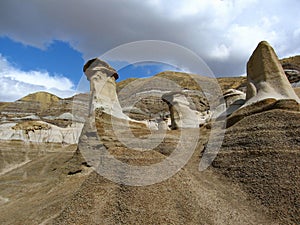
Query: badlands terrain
[[91, 159]]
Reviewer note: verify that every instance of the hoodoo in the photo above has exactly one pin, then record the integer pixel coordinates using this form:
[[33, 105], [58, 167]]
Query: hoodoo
[[266, 77], [182, 116], [102, 79], [267, 85]]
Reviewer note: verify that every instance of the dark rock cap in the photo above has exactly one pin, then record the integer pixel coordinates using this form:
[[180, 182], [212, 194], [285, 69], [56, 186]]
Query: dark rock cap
[[103, 66]]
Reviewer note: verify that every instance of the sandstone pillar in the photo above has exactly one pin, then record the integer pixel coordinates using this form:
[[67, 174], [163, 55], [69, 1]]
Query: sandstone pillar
[[182, 116], [265, 76], [103, 93]]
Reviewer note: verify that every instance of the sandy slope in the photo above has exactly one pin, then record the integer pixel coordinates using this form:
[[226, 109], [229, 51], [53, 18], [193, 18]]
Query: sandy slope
[[261, 153], [56, 188], [42, 192], [189, 197]]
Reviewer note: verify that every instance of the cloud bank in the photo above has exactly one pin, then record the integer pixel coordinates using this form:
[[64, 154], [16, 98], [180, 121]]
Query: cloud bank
[[222, 32], [15, 83]]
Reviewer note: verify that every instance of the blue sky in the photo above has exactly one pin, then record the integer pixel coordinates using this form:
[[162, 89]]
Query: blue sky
[[44, 44], [58, 58], [62, 62]]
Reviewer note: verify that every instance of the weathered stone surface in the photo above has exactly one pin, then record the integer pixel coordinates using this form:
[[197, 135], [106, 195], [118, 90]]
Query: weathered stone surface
[[262, 106], [146, 94], [232, 95], [102, 79], [234, 99], [43, 118], [265, 76], [182, 116], [297, 91], [291, 67], [267, 85], [40, 132], [262, 154], [293, 74]]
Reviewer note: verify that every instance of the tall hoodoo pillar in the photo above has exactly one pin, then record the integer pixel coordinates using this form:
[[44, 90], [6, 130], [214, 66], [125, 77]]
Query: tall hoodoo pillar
[[266, 77], [102, 79]]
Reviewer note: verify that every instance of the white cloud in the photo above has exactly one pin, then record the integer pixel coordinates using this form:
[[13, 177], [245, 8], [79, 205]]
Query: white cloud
[[15, 83], [220, 52], [223, 32]]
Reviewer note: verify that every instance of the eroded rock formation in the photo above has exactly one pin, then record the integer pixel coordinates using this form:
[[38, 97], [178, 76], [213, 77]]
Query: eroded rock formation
[[182, 116], [40, 132], [234, 99], [233, 95], [43, 118], [268, 87], [102, 79], [292, 72], [265, 76]]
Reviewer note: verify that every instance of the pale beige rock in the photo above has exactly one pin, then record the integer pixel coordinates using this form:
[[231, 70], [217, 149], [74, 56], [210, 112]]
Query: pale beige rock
[[162, 125], [103, 95], [234, 99], [265, 76], [297, 91], [102, 79], [40, 132], [268, 87], [182, 116], [232, 95]]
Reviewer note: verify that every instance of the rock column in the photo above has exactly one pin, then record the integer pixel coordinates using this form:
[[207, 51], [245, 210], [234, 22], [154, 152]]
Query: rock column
[[266, 77], [102, 79], [182, 116]]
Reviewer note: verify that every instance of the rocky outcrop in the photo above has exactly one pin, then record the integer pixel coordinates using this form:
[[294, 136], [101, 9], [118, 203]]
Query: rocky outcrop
[[234, 99], [297, 91], [182, 116], [291, 67], [292, 72], [265, 76], [237, 83], [263, 106], [260, 151], [43, 118], [141, 99], [46, 107], [102, 79], [32, 103], [233, 95], [40, 132], [267, 85]]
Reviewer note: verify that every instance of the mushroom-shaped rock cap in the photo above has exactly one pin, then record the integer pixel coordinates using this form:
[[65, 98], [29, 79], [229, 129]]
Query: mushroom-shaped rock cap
[[99, 65], [169, 97]]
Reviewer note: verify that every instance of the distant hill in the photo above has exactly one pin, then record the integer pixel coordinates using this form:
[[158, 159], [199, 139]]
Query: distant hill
[[44, 99], [189, 81], [293, 60], [31, 104], [46, 107]]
